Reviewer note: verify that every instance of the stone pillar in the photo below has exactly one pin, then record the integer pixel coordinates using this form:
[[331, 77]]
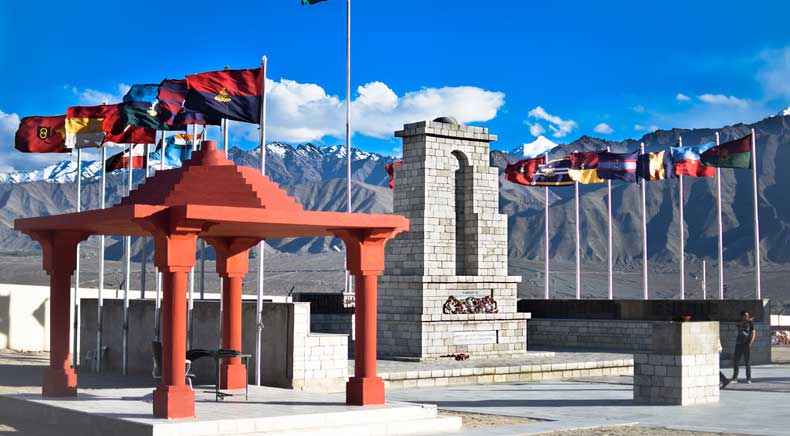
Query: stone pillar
[[232, 266], [682, 366], [174, 256], [59, 253]]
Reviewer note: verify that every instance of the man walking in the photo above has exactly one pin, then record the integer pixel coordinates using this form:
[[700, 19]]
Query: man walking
[[743, 346]]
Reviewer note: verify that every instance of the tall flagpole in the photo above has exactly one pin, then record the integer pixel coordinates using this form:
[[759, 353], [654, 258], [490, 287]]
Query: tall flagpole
[[191, 284], [758, 291], [704, 281], [610, 260], [128, 272], [682, 235], [645, 294], [259, 299], [100, 296], [546, 235], [578, 245], [348, 127], [721, 228], [75, 353], [221, 284], [158, 303], [144, 254]]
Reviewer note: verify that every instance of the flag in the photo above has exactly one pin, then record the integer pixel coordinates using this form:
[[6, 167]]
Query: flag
[[522, 171], [171, 97], [142, 93], [553, 173], [122, 160], [655, 166], [84, 126], [617, 166], [41, 135], [231, 94], [584, 167], [733, 154], [311, 2], [391, 171], [687, 161], [146, 115], [117, 131], [179, 148]]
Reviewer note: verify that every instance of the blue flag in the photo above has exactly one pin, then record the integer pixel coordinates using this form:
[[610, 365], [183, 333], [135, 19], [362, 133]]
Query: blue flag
[[142, 93]]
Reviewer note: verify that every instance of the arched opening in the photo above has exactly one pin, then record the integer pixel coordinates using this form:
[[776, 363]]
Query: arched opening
[[465, 222]]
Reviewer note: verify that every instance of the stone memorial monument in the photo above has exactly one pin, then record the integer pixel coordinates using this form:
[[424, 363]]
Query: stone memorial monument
[[445, 289]]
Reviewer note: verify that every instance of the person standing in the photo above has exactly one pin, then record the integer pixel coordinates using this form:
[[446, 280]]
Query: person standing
[[743, 346]]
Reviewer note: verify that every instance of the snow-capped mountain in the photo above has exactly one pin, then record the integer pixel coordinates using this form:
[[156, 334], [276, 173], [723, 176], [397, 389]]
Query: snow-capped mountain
[[784, 113], [535, 148], [61, 172]]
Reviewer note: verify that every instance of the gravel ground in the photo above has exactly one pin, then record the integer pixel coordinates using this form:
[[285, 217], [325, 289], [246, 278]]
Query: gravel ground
[[633, 430]]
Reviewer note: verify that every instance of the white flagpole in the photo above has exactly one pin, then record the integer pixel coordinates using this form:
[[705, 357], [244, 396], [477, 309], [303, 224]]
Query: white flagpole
[[144, 254], [347, 285], [100, 296], [704, 281], [682, 235], [645, 294], [611, 259], [128, 273], [259, 299], [158, 303], [721, 228], [546, 235], [758, 291], [578, 245], [221, 285], [191, 284], [75, 353]]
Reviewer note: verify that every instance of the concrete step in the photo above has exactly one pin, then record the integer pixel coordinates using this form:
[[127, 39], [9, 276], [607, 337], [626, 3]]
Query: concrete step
[[427, 426]]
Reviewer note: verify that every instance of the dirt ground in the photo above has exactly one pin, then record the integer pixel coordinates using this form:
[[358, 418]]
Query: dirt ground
[[634, 430]]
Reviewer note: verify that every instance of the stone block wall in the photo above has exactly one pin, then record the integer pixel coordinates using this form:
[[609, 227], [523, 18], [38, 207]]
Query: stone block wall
[[338, 323], [682, 365]]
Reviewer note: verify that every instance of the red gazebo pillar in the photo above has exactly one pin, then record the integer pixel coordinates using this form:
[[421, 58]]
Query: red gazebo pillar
[[174, 256], [232, 266], [59, 252], [365, 260]]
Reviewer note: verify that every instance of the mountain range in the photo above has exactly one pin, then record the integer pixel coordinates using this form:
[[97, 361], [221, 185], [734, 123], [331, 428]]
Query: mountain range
[[315, 177]]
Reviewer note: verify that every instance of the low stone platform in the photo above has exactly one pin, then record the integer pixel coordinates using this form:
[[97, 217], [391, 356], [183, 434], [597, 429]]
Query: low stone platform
[[532, 366], [269, 411]]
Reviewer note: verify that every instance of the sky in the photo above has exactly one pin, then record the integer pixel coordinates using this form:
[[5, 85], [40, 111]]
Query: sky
[[611, 69]]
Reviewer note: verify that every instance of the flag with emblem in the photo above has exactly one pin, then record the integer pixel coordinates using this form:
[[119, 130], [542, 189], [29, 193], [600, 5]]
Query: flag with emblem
[[617, 166], [553, 173], [687, 160], [733, 154], [522, 171], [41, 135], [142, 93], [584, 167], [117, 131], [84, 125], [171, 95], [231, 94], [655, 166], [391, 172], [147, 115], [133, 157]]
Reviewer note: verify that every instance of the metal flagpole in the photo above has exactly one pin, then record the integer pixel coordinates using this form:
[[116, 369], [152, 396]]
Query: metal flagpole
[[191, 284], [100, 295], [645, 294], [682, 235], [610, 260], [348, 127], [158, 303], [578, 245], [259, 299], [546, 236], [128, 272], [704, 281], [721, 228], [75, 353], [221, 284], [756, 220], [144, 254]]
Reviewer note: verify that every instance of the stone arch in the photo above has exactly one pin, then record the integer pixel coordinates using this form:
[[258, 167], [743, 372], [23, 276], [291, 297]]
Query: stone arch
[[465, 218]]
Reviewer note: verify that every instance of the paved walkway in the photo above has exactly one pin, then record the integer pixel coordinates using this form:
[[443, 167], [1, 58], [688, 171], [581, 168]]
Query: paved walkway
[[756, 409]]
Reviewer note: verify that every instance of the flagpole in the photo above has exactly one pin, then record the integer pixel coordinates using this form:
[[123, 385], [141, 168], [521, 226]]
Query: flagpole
[[578, 245], [756, 219], [191, 284], [609, 213], [128, 273], [75, 354], [144, 261], [721, 228], [704, 281], [682, 234], [347, 285], [259, 299], [100, 295], [546, 235], [221, 284], [645, 294], [158, 303]]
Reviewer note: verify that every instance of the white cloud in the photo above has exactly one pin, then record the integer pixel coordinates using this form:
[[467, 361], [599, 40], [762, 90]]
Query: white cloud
[[773, 76], [603, 128], [300, 112], [535, 129], [638, 108], [682, 97], [93, 97], [721, 99], [557, 125]]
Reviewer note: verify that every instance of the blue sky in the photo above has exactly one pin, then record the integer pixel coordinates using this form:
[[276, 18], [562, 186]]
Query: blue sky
[[612, 69]]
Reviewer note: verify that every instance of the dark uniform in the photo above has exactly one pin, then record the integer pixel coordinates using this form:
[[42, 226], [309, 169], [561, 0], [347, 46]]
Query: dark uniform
[[743, 348]]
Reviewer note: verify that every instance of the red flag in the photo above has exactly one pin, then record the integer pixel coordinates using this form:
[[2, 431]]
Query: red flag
[[118, 132], [232, 94], [391, 171], [522, 171], [123, 159], [42, 135]]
